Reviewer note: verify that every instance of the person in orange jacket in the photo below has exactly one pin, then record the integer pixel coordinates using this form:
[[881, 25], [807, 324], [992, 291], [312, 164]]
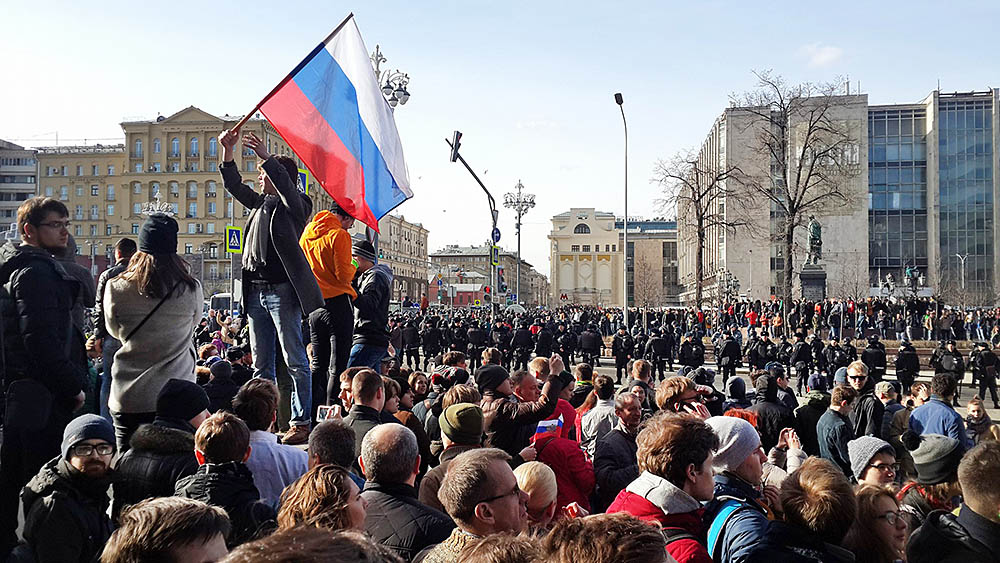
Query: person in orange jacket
[[327, 246]]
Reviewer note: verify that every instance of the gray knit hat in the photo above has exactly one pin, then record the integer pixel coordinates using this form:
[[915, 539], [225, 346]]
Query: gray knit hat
[[935, 457], [737, 440], [862, 450]]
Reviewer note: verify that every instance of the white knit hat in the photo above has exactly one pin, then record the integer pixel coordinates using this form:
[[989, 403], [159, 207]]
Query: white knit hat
[[738, 439]]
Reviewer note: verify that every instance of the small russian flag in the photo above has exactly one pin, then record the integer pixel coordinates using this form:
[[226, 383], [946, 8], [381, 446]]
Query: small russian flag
[[553, 426]]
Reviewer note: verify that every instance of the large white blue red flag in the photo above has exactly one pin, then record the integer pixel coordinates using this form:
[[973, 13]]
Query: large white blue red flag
[[331, 112]]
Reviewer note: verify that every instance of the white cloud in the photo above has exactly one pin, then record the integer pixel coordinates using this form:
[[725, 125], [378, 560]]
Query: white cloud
[[820, 55]]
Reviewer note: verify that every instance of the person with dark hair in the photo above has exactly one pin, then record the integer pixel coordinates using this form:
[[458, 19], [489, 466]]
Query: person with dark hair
[[45, 364], [332, 442], [974, 533], [162, 452], [240, 360], [104, 343], [222, 446], [327, 247], [395, 518], [601, 418], [220, 388], [504, 547], [819, 507], [937, 416], [615, 461], [834, 430], [66, 503], [950, 362], [274, 466], [907, 365], [936, 459], [584, 375], [515, 421], [879, 532], [675, 454], [371, 308], [152, 308], [368, 398], [310, 544], [280, 288], [773, 416], [807, 415], [169, 529]]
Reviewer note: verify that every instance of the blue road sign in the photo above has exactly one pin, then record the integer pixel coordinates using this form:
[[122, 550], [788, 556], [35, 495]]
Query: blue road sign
[[234, 240], [496, 235], [439, 283]]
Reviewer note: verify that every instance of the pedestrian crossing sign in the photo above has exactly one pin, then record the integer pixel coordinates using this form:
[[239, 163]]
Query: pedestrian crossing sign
[[234, 240], [304, 179], [477, 303]]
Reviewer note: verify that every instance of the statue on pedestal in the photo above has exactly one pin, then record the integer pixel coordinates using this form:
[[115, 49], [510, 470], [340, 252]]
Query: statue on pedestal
[[815, 231]]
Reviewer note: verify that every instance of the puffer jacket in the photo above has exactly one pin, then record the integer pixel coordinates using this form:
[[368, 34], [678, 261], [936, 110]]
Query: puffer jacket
[[397, 520], [946, 538], [40, 340], [807, 417], [772, 416], [515, 420], [371, 307], [739, 530], [230, 487], [160, 454], [653, 499], [65, 514], [785, 543]]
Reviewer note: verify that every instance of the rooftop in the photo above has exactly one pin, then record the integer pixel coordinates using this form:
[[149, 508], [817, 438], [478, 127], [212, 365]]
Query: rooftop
[[82, 149], [652, 226], [483, 250]]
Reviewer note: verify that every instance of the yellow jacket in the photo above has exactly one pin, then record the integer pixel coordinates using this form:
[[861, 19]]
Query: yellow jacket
[[327, 246]]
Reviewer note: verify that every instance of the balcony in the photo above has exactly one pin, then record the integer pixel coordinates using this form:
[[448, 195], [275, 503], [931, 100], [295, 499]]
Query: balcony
[[135, 154], [110, 197], [173, 155], [192, 195], [194, 154]]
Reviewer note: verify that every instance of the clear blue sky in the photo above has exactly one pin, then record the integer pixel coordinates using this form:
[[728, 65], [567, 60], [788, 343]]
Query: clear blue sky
[[529, 84]]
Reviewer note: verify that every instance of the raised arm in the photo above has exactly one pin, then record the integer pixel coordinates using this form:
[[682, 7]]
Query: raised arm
[[231, 178]]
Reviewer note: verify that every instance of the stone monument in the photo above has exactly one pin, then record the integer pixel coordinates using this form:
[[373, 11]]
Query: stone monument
[[813, 277]]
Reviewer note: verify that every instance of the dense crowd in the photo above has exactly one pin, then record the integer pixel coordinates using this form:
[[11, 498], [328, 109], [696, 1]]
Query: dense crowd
[[437, 436]]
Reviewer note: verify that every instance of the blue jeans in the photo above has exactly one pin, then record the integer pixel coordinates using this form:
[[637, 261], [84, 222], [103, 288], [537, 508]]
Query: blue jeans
[[275, 314], [367, 356], [109, 347]]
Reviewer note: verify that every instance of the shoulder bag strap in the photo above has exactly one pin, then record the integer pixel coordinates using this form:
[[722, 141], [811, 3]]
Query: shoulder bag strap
[[150, 314]]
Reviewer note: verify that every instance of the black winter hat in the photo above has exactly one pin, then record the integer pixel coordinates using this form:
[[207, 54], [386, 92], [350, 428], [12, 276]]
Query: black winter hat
[[181, 400], [222, 370], [490, 376], [158, 235], [363, 249], [86, 427]]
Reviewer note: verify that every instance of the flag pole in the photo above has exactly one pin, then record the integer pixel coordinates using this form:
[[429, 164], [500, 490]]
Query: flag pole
[[298, 67]]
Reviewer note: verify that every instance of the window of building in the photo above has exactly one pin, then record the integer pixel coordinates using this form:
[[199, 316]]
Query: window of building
[[138, 147], [574, 248], [111, 210], [192, 209], [79, 190], [156, 167], [210, 228], [111, 170], [49, 190], [64, 193], [586, 248], [111, 192], [189, 248], [154, 189], [136, 208], [65, 171], [193, 144], [175, 147], [250, 166], [138, 168], [78, 231], [192, 191], [156, 145], [229, 208], [93, 212], [95, 170], [213, 147], [107, 230], [78, 215], [211, 208], [135, 228], [79, 170], [175, 167], [174, 188], [210, 188], [581, 229], [95, 190], [137, 188], [93, 230], [212, 167], [176, 208], [191, 230]]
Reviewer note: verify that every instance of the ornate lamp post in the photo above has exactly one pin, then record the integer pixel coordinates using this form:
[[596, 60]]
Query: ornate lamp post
[[393, 82], [520, 202]]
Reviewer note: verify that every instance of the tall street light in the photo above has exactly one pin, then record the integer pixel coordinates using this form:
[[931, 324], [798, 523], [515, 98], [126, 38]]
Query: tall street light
[[619, 101], [520, 203], [393, 82]]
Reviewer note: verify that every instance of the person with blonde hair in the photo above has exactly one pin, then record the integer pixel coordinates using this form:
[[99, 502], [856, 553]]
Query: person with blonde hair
[[879, 533], [325, 497], [539, 481]]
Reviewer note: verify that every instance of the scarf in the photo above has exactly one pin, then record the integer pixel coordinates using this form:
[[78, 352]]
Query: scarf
[[978, 428], [259, 235]]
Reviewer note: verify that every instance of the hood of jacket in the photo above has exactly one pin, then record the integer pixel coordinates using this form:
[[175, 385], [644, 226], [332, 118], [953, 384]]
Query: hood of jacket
[[818, 399], [379, 270], [736, 389], [159, 438], [323, 223], [663, 494], [58, 476], [767, 389]]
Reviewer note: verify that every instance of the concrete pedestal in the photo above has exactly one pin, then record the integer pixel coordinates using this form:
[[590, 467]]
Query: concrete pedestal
[[813, 280]]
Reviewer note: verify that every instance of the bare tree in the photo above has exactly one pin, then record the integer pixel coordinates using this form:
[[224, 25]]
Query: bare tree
[[647, 283], [813, 152], [695, 186]]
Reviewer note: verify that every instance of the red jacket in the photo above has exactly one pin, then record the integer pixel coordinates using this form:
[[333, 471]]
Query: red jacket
[[574, 472], [569, 417], [683, 550]]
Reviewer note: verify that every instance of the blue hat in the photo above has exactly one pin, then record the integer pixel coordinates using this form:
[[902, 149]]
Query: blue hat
[[816, 382], [86, 427], [840, 376]]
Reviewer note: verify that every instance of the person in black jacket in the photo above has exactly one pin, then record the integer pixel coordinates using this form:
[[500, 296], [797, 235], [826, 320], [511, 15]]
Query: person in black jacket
[[567, 344], [221, 388], [772, 415], [868, 411], [222, 445], [432, 340], [727, 356], [66, 503], [368, 396], [950, 361], [279, 286], [590, 346], [801, 359], [543, 341], [621, 349], [477, 343], [104, 343], [371, 308], [615, 461], [692, 351], [873, 357], [161, 452], [986, 364], [45, 364], [584, 375], [656, 352], [395, 518], [411, 345], [907, 366], [521, 343]]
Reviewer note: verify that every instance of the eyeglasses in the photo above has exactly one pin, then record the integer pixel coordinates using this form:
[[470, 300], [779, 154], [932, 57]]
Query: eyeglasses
[[515, 492], [884, 466], [890, 517], [87, 450], [56, 225]]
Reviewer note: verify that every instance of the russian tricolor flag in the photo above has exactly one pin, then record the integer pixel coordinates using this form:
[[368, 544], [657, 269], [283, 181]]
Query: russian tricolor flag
[[331, 112]]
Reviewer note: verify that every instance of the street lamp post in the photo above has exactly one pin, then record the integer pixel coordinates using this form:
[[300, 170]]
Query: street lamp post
[[962, 258], [520, 203], [619, 100], [393, 82]]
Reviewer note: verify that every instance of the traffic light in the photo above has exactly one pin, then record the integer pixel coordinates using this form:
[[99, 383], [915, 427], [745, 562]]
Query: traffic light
[[455, 138], [486, 289], [381, 254]]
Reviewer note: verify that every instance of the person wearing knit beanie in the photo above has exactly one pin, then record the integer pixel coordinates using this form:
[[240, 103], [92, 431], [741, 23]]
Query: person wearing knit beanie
[[873, 461], [462, 424], [816, 382], [181, 400], [738, 440], [86, 427], [493, 378], [935, 457]]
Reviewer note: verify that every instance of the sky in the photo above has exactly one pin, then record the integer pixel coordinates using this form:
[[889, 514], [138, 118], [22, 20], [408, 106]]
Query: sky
[[529, 84]]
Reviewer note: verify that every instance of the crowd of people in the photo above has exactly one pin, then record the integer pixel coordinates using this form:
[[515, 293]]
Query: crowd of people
[[443, 438]]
